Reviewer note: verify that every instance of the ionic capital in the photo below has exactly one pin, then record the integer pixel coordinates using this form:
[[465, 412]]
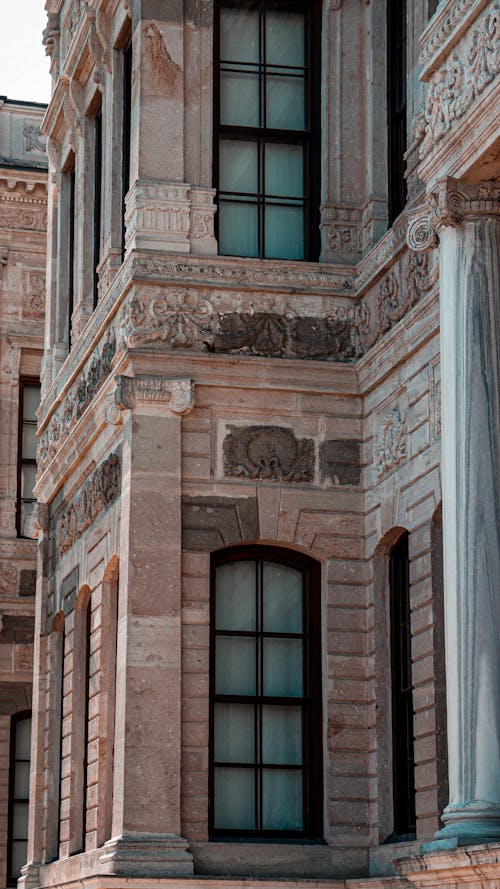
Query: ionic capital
[[131, 392], [449, 204]]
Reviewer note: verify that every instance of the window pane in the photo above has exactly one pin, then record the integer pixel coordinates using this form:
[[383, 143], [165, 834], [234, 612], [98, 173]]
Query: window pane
[[285, 38], [22, 780], [239, 35], [234, 798], [284, 232], [31, 402], [282, 599], [239, 99], [19, 856], [234, 733], [282, 799], [23, 738], [29, 442], [282, 735], [238, 228], [285, 170], [28, 473], [20, 821], [285, 102], [235, 666], [238, 166], [283, 667], [235, 596]]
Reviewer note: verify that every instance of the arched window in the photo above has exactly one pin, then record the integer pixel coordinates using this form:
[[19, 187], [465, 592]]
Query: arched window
[[19, 791], [403, 762], [266, 751]]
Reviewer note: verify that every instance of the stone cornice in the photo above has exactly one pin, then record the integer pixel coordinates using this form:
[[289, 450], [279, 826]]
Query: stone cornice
[[444, 31], [451, 203]]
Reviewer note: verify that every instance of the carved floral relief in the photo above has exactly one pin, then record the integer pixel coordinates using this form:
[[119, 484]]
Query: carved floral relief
[[96, 493], [268, 452], [392, 441]]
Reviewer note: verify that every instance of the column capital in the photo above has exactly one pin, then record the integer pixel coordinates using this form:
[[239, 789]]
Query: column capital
[[448, 205], [131, 392]]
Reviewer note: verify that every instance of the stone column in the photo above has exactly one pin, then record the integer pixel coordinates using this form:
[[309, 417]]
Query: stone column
[[466, 218], [146, 792]]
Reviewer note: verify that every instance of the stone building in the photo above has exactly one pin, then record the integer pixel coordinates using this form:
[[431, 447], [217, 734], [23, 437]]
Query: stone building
[[23, 227], [254, 290]]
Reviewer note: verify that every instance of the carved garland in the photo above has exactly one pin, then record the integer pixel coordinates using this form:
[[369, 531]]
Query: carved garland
[[391, 442], [96, 493], [268, 452]]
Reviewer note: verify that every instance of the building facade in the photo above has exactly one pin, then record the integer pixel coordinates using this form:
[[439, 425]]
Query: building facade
[[256, 293], [23, 234]]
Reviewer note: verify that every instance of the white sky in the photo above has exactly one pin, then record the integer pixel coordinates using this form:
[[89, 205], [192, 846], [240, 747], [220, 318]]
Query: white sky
[[24, 67]]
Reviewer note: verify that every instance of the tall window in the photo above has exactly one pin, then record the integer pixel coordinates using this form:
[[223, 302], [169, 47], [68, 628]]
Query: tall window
[[71, 248], [126, 121], [396, 95], [97, 200], [403, 761], [266, 755], [267, 165], [19, 790], [29, 401]]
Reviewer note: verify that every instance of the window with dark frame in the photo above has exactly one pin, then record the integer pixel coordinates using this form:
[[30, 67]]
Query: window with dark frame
[[126, 123], [267, 151], [396, 103], [19, 788], [265, 680], [97, 202], [71, 248], [403, 759], [29, 402]]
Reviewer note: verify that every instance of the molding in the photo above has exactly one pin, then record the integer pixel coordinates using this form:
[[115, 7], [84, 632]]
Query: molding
[[445, 30]]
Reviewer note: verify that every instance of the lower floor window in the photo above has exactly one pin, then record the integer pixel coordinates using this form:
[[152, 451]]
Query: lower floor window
[[20, 745]]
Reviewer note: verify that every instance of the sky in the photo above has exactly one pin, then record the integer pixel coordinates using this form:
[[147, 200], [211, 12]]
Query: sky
[[24, 67]]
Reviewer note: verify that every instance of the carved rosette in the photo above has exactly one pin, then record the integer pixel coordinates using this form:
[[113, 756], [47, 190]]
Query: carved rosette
[[392, 442], [268, 452], [177, 394], [95, 495]]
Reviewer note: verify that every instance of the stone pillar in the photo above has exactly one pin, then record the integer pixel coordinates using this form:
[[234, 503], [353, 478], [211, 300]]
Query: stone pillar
[[146, 794], [467, 219]]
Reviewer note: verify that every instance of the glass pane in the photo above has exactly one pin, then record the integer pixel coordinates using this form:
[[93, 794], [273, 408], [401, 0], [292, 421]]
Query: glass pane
[[283, 667], [282, 599], [284, 232], [238, 228], [19, 856], [234, 733], [282, 799], [234, 798], [239, 35], [20, 821], [235, 596], [23, 738], [22, 780], [282, 735], [238, 166], [285, 38], [285, 97], [31, 402], [26, 511], [239, 99], [285, 170], [234, 666], [28, 473], [29, 442]]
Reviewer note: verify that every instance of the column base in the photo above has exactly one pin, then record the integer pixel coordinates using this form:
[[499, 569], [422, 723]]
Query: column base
[[470, 824], [145, 855]]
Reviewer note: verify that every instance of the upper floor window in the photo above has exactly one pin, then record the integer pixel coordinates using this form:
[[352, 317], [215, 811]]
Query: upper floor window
[[126, 123], [29, 401], [97, 202], [19, 790], [267, 118], [396, 95], [266, 752]]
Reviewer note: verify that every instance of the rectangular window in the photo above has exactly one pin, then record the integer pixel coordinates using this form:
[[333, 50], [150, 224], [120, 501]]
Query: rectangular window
[[71, 249], [267, 118], [97, 201], [19, 791], [396, 95], [126, 122], [29, 401]]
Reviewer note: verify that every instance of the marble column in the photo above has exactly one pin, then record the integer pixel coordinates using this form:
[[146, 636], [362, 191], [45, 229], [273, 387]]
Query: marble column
[[146, 819], [466, 219]]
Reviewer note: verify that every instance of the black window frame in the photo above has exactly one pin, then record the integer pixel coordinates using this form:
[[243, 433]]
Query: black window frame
[[15, 719], [396, 106], [311, 701], [97, 228], [126, 131], [24, 382], [71, 174], [310, 137]]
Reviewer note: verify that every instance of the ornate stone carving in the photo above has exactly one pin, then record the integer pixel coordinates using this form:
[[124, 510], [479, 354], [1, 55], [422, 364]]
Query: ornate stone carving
[[392, 439], [34, 297], [201, 226], [51, 34], [24, 217], [99, 42], [32, 140], [178, 394], [268, 452], [454, 87], [72, 21], [420, 234], [157, 216], [8, 580], [179, 318], [342, 227], [455, 17], [96, 493], [451, 203]]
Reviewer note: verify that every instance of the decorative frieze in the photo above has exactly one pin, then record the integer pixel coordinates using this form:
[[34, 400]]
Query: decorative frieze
[[392, 442], [95, 495], [268, 452]]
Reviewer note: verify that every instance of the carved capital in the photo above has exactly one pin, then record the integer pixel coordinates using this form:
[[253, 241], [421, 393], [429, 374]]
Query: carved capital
[[130, 392], [421, 235], [455, 200]]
